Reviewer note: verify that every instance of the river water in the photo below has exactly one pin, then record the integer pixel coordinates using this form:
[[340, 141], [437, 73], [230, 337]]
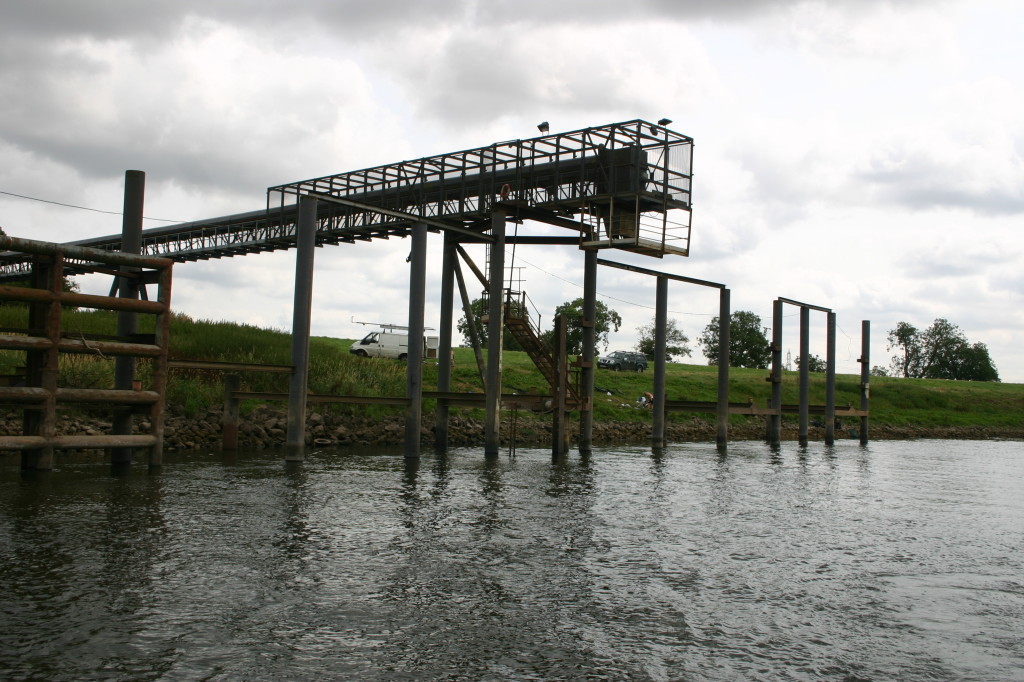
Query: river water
[[898, 560]]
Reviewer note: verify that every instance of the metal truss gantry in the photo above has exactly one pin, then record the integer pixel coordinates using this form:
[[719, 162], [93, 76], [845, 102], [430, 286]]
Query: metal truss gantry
[[623, 185]]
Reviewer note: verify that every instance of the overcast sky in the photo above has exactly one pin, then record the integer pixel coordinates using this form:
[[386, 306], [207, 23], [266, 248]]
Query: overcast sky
[[862, 156]]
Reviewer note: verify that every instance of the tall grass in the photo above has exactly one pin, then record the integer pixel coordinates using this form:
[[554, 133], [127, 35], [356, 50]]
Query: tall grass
[[334, 371]]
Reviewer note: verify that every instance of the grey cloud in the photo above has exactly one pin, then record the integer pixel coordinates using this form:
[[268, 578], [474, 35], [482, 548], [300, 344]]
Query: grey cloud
[[932, 265], [128, 18], [938, 188]]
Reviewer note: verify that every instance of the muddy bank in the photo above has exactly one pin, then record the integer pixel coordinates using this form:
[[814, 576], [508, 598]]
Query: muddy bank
[[265, 427]]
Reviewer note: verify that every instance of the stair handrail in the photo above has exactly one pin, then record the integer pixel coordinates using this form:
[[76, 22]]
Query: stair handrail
[[518, 305]]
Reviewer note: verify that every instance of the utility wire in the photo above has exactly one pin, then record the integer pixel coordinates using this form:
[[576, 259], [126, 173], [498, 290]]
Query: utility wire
[[84, 208]]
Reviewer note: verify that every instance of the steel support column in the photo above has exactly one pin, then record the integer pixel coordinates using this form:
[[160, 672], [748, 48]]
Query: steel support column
[[722, 408], [830, 380], [495, 327], [305, 242], [127, 322], [414, 360], [474, 338], [660, 322], [444, 345], [775, 420], [587, 370], [865, 377], [805, 377]]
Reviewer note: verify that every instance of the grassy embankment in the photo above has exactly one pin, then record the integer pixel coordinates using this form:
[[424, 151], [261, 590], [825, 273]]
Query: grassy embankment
[[896, 402]]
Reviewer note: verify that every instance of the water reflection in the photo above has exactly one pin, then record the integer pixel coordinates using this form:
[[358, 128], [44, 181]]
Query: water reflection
[[897, 560]]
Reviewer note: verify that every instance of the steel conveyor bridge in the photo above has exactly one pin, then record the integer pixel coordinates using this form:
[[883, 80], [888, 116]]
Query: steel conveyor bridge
[[624, 185]]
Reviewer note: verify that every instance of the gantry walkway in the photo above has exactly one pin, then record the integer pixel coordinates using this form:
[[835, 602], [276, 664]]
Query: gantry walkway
[[623, 185]]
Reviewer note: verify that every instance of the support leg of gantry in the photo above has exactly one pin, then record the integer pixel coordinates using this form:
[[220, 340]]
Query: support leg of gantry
[[495, 326], [830, 380], [805, 368], [722, 407], [865, 377], [775, 419], [444, 346], [305, 242], [414, 359], [660, 343], [127, 322], [587, 371]]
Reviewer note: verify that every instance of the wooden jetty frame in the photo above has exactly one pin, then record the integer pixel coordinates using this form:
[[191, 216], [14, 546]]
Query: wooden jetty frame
[[45, 339]]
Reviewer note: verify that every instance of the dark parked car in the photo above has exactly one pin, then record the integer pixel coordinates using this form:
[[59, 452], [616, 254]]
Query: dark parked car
[[623, 360]]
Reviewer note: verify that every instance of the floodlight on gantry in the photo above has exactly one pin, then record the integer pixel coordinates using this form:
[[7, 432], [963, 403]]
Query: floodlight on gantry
[[624, 186]]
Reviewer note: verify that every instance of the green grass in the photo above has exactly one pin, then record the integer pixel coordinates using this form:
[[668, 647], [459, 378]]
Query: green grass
[[333, 370]]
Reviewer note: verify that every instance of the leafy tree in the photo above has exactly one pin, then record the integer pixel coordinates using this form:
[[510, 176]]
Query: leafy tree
[[676, 342], [748, 341], [907, 338], [976, 364], [605, 320], [814, 363], [479, 309], [879, 371], [939, 352]]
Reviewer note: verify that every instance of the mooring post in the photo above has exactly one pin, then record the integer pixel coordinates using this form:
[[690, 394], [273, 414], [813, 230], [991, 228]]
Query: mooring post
[[495, 326], [587, 375], [865, 377], [127, 322], [660, 322], [42, 366], [775, 420], [722, 408], [305, 242], [560, 416], [805, 366], [830, 380], [414, 360], [229, 423], [444, 345]]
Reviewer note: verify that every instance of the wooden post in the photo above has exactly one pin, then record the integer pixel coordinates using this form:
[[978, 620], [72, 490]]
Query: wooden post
[[229, 426]]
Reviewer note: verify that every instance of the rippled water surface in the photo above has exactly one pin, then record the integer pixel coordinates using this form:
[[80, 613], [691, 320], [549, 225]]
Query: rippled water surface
[[900, 560]]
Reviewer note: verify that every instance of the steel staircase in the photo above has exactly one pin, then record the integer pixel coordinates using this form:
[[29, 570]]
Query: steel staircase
[[518, 323]]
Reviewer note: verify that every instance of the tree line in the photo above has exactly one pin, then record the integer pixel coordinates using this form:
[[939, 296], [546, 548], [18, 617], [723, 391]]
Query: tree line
[[941, 351]]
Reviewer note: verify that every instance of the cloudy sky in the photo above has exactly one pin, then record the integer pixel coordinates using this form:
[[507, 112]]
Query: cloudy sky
[[864, 156]]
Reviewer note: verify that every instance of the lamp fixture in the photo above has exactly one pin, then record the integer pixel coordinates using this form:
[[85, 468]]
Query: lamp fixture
[[543, 127], [664, 122]]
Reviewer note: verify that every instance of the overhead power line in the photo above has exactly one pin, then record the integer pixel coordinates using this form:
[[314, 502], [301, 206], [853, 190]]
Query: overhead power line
[[83, 208]]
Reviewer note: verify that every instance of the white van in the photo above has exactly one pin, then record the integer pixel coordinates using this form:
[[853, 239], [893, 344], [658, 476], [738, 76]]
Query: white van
[[387, 344]]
